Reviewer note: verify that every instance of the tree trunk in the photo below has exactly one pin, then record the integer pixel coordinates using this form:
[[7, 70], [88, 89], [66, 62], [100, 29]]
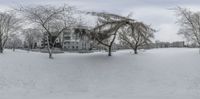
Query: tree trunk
[[1, 46], [110, 51], [3, 43], [49, 48], [50, 52], [50, 55], [135, 50], [1, 49], [111, 43], [199, 49], [13, 49]]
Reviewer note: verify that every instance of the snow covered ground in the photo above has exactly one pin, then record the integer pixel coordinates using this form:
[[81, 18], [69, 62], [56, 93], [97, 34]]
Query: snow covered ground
[[153, 74]]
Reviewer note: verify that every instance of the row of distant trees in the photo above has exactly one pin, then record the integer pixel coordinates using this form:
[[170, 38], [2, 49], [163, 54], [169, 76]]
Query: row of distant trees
[[34, 22]]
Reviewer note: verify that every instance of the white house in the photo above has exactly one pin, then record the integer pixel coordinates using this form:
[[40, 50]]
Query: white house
[[75, 39]]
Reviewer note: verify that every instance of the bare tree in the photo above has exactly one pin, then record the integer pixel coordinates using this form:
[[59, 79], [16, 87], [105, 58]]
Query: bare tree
[[190, 24], [32, 36], [136, 35], [107, 27], [8, 23], [53, 21], [14, 41]]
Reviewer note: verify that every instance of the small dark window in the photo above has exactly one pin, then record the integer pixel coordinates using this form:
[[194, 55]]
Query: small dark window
[[67, 38]]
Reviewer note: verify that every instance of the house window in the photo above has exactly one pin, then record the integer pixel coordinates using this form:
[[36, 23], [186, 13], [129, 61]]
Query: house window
[[67, 33], [67, 42], [67, 38]]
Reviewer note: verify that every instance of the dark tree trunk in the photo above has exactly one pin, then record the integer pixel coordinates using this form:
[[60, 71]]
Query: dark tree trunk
[[1, 46], [136, 50], [110, 51], [199, 49], [1, 50], [111, 44], [199, 46], [13, 48], [50, 56]]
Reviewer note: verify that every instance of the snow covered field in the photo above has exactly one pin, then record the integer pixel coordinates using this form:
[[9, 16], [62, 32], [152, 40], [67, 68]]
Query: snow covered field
[[153, 74]]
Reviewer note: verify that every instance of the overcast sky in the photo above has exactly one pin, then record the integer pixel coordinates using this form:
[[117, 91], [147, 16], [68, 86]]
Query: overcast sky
[[154, 12]]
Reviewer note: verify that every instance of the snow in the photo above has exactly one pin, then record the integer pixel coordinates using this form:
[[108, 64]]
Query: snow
[[172, 73]]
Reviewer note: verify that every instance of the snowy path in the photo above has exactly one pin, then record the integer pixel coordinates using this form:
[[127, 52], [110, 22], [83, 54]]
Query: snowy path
[[154, 74]]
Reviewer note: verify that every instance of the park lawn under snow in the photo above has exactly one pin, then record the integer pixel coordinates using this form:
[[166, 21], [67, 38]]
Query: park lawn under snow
[[153, 74]]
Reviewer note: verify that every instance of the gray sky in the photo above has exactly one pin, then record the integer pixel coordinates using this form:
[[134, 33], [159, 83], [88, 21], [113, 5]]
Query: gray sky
[[153, 12]]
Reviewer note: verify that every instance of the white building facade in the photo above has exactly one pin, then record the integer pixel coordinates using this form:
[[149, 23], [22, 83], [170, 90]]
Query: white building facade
[[75, 39]]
